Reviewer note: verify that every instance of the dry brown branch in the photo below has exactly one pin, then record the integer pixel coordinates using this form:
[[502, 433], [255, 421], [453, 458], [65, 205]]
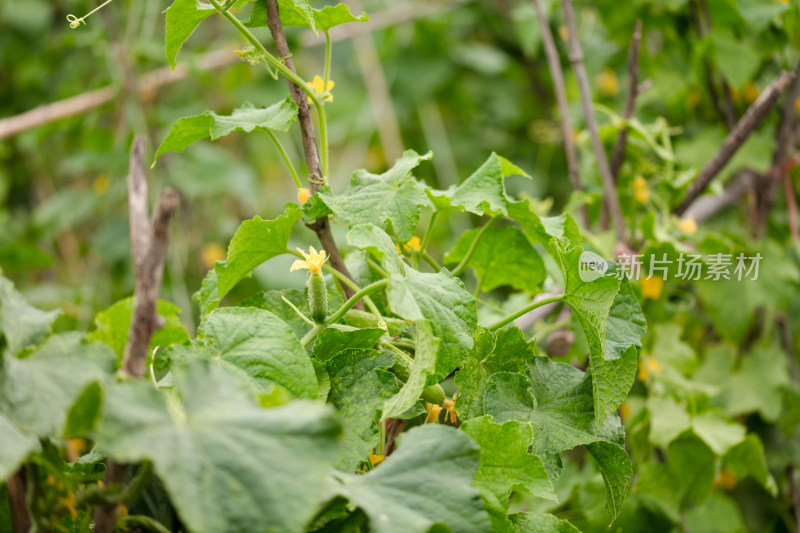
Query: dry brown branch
[[749, 122], [16, 489], [707, 206], [618, 152], [560, 91], [576, 58]]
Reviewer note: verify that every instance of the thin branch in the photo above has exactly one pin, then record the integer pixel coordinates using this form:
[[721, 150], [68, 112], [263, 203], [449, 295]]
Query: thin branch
[[618, 152], [16, 489], [576, 58], [322, 225], [708, 205], [138, 205], [554, 63], [749, 122]]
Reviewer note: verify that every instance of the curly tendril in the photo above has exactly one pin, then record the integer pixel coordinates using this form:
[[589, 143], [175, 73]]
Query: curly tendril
[[74, 21]]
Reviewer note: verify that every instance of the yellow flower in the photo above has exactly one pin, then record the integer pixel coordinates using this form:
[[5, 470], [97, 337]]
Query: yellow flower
[[100, 184], [750, 92], [608, 82], [414, 243], [647, 366], [624, 411], [688, 225], [563, 32], [212, 252], [303, 195], [433, 413], [318, 84], [450, 405], [652, 287], [640, 191], [375, 459], [797, 105], [69, 502], [726, 480], [313, 261]]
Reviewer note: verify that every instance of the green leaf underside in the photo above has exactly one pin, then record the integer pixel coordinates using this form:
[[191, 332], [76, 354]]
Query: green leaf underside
[[391, 201], [503, 256], [248, 118], [246, 341], [226, 463], [183, 16], [21, 324], [541, 523], [360, 383], [427, 481], [17, 445], [444, 302], [427, 346], [294, 13]]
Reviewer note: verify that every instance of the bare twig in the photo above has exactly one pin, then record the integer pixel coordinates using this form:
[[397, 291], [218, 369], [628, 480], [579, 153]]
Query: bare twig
[[16, 489], [576, 58], [788, 347], [791, 206], [618, 152], [322, 225], [707, 206], [554, 63], [148, 245], [750, 121]]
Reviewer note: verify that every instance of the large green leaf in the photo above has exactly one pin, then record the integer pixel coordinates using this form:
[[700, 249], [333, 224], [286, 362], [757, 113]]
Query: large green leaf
[[17, 445], [541, 523], [183, 16], [391, 201], [541, 230], [37, 392], [483, 193], [113, 325], [556, 399], [427, 481], [256, 241], [226, 463], [187, 130], [294, 13], [331, 341], [251, 342], [506, 464], [505, 350], [21, 324], [503, 256], [445, 303], [360, 384], [427, 347]]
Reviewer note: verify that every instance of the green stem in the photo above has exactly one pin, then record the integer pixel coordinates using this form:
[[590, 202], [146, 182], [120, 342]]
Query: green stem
[[327, 74], [430, 260], [286, 159], [323, 138], [423, 246], [309, 337], [377, 267], [372, 287], [531, 307], [278, 64], [463, 264], [347, 281]]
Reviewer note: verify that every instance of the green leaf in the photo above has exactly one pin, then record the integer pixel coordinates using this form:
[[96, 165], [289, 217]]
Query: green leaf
[[292, 15], [113, 325], [427, 347], [256, 241], [483, 193], [693, 465], [207, 298], [506, 465], [747, 459], [183, 16], [248, 118], [331, 341], [21, 324], [505, 350], [541, 230], [226, 463], [391, 201], [37, 392], [541, 523], [360, 383], [17, 445], [556, 399], [503, 256], [442, 300], [427, 481], [378, 243], [256, 343]]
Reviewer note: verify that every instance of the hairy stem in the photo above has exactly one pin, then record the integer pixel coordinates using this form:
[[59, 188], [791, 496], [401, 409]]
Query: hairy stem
[[539, 303], [472, 247]]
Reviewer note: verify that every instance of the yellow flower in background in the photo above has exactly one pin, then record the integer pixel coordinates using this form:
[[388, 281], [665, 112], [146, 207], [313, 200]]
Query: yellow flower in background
[[414, 243], [303, 195], [318, 84], [652, 287], [70, 503], [563, 32], [433, 413], [648, 365], [726, 480], [313, 261], [797, 105], [100, 184], [212, 252], [375, 459], [608, 82], [750, 92], [640, 191], [624, 410], [688, 225]]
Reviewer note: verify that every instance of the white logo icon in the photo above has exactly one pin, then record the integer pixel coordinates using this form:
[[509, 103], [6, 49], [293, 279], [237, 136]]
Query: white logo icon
[[591, 267]]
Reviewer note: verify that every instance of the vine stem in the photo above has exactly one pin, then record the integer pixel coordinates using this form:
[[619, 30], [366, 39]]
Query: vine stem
[[286, 159], [372, 287], [499, 324], [472, 247]]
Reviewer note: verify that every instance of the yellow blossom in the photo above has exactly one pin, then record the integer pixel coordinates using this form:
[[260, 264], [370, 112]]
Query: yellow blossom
[[50, 480], [797, 105], [433, 413], [688, 225], [652, 287], [122, 509], [69, 502], [750, 92], [624, 411], [450, 406], [375, 459], [318, 84], [563, 32], [726, 480], [608, 82], [100, 184], [313, 261], [303, 195], [212, 252], [648, 365], [640, 191], [414, 243]]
